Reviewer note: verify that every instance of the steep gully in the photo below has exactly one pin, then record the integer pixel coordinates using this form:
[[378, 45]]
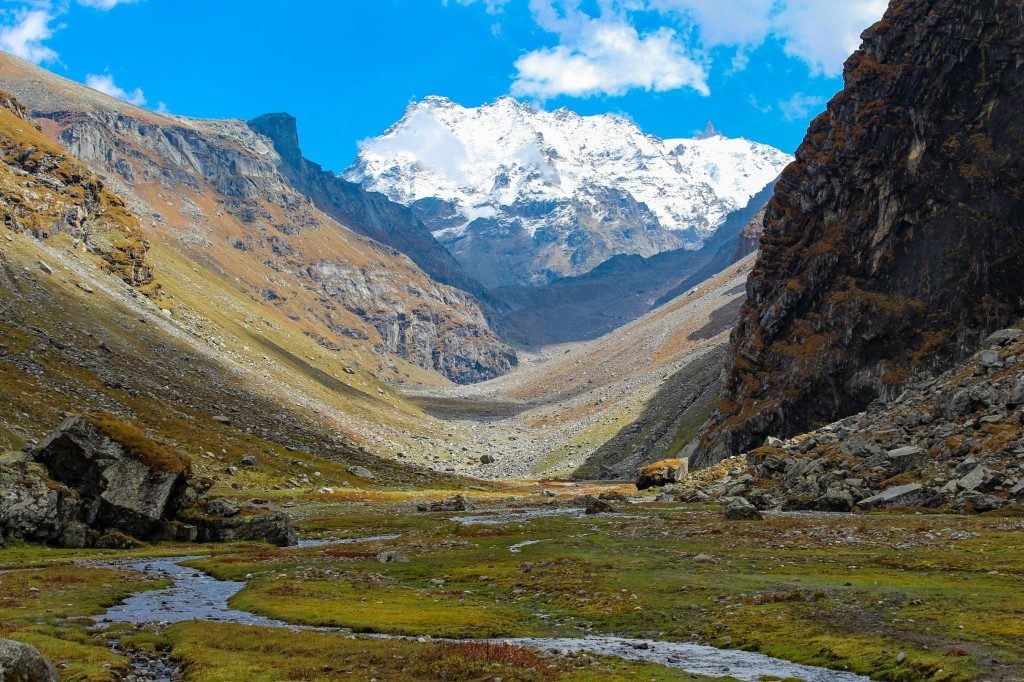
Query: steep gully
[[194, 595]]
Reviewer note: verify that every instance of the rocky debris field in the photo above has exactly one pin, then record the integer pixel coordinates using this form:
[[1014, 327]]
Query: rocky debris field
[[954, 442]]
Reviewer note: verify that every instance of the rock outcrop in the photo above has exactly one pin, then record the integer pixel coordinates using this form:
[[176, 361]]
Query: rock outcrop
[[99, 481], [662, 473], [45, 192], [21, 662], [893, 243]]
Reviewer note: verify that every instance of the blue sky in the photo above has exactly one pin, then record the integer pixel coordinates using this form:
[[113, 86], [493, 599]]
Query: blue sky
[[348, 68]]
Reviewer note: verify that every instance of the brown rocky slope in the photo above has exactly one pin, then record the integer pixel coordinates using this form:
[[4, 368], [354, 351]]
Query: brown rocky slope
[[893, 244]]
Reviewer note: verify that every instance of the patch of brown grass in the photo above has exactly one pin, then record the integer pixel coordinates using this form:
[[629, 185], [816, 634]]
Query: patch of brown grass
[[159, 458]]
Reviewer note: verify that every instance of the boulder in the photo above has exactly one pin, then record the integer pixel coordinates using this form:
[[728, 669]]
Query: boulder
[[836, 500], [222, 506], [486, 459], [662, 473], [739, 509], [126, 481], [1003, 337], [33, 507], [1017, 395], [391, 556], [23, 663], [980, 479], [454, 503], [906, 458], [910, 495], [362, 472], [268, 526]]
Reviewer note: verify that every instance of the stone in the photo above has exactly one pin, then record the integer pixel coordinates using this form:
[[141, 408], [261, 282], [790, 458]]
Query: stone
[[221, 419], [268, 526], [362, 472], [1018, 490], [980, 479], [391, 556], [990, 358], [75, 535], [453, 503], [1017, 394], [837, 500], [597, 506], [980, 504], [486, 459], [222, 506], [115, 539], [1003, 337], [31, 507], [739, 509], [906, 458], [23, 663], [124, 487], [662, 473], [249, 461], [908, 495], [773, 442]]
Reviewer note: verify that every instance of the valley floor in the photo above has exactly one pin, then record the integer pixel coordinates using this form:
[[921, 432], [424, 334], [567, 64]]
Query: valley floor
[[893, 597]]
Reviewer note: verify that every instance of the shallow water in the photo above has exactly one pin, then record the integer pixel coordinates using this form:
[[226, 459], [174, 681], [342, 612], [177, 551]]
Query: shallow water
[[490, 518], [198, 596]]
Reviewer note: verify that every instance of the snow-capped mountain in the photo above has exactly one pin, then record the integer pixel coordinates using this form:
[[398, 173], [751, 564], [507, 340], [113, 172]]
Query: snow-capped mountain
[[521, 195]]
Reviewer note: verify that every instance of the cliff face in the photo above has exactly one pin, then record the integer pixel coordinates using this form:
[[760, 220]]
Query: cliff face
[[893, 243], [368, 213], [47, 193]]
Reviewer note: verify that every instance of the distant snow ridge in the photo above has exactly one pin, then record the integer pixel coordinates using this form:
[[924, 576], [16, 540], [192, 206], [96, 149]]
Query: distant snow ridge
[[522, 195]]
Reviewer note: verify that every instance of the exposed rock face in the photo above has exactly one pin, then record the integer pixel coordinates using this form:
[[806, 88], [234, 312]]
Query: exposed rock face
[[368, 213], [32, 507], [128, 487], [893, 244], [23, 663], [46, 192], [662, 473]]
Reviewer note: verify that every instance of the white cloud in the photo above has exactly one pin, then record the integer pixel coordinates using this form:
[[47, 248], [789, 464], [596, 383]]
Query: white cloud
[[105, 84], [824, 34], [603, 55], [727, 22], [24, 31], [492, 6], [104, 5], [800, 106]]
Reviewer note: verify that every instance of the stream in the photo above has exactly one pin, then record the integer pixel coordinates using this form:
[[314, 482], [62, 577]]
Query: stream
[[195, 595]]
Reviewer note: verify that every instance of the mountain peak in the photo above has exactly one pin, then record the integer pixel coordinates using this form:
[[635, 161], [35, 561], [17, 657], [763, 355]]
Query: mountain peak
[[709, 132], [282, 129]]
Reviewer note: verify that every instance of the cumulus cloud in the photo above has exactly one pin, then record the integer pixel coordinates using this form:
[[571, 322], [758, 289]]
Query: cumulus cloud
[[105, 84], [606, 53], [24, 32], [603, 55], [800, 106], [824, 34]]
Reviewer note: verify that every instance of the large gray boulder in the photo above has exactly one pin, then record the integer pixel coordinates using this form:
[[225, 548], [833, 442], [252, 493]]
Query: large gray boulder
[[23, 663], [32, 507], [268, 526], [910, 495], [126, 481]]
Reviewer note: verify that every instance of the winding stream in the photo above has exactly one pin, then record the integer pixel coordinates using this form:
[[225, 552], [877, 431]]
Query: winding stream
[[194, 595]]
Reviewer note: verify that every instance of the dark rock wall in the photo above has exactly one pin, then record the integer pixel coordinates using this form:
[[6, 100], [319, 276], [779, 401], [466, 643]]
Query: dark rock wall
[[893, 243]]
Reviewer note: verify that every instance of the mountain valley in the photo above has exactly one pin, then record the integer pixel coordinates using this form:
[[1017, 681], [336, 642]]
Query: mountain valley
[[521, 394]]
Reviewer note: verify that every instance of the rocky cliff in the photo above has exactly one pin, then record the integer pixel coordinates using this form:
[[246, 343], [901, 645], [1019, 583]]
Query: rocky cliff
[[49, 194], [368, 213], [893, 243]]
